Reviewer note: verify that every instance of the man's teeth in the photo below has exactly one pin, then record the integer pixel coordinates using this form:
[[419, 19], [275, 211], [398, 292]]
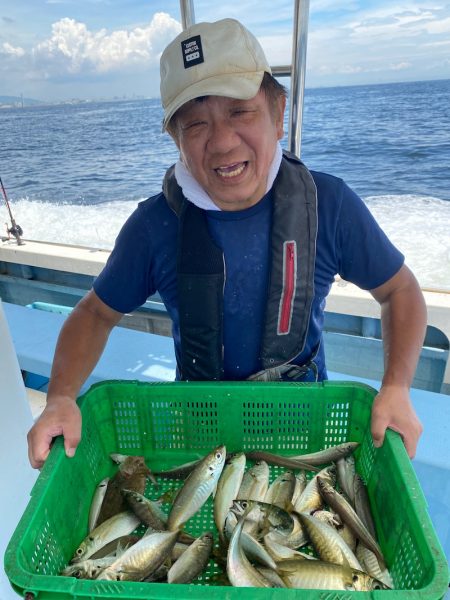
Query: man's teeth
[[232, 171]]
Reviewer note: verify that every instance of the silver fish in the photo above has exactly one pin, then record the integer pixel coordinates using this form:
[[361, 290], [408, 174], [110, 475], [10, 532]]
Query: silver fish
[[119, 525], [192, 562], [306, 461], [142, 559], [89, 568], [149, 512], [180, 471], [345, 475], [273, 518], [311, 498], [317, 574], [96, 503], [255, 482], [362, 503], [240, 571], [278, 551], [197, 488], [300, 485], [373, 566], [227, 489], [349, 516], [281, 490], [328, 544]]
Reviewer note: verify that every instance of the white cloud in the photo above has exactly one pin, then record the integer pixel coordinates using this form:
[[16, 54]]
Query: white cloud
[[74, 49], [9, 50]]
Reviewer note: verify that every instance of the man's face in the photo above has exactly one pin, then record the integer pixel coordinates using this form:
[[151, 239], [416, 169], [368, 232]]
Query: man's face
[[228, 146]]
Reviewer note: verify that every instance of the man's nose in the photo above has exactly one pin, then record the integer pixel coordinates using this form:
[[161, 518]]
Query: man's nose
[[223, 137]]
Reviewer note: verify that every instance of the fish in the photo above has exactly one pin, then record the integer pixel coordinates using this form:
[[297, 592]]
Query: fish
[[300, 485], [281, 490], [279, 551], [121, 459], [149, 512], [119, 525], [132, 475], [255, 482], [111, 548], [280, 461], [341, 527], [227, 489], [320, 575], [295, 539], [272, 576], [142, 559], [373, 566], [179, 472], [193, 560], [306, 461], [327, 542], [273, 518], [346, 473], [89, 568], [197, 488], [97, 502], [362, 503], [311, 499], [344, 509], [240, 571]]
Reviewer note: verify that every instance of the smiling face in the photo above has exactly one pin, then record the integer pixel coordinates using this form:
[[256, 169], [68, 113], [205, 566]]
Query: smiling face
[[228, 146]]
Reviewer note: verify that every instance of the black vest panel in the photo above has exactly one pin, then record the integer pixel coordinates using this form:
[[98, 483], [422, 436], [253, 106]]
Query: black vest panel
[[201, 277]]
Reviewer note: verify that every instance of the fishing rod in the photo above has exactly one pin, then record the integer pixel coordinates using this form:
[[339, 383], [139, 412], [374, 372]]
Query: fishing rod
[[15, 230]]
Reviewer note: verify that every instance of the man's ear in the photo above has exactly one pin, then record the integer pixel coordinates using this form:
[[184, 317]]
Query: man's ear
[[279, 121]]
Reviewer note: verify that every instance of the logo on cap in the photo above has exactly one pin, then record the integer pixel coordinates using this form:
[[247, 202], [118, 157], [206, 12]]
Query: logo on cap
[[192, 51]]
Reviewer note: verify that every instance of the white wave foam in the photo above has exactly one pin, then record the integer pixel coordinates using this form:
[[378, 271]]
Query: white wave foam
[[418, 225]]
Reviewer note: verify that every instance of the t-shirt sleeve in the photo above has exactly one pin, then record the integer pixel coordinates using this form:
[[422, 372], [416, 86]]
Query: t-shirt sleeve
[[366, 256], [124, 283]]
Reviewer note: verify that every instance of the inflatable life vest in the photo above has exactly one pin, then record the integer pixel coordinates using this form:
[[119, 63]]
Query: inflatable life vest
[[201, 277]]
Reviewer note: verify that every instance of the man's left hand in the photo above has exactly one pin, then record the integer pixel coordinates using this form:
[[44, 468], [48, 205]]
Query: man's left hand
[[392, 408]]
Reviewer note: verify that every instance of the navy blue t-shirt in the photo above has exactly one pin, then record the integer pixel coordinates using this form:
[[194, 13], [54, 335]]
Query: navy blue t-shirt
[[349, 243]]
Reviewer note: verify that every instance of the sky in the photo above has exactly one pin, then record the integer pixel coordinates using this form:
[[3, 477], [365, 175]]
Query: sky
[[56, 50]]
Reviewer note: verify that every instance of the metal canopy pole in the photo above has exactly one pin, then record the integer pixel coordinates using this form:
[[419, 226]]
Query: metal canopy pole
[[187, 13], [299, 43]]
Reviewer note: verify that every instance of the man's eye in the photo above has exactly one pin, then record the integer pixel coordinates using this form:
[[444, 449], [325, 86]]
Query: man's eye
[[193, 125]]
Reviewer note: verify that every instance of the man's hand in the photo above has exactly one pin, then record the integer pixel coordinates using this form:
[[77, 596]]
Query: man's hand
[[392, 408], [60, 417]]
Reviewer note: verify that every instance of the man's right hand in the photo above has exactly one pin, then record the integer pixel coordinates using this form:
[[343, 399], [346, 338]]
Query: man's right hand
[[60, 417]]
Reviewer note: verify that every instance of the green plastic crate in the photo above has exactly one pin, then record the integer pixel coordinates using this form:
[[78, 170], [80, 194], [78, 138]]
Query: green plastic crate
[[172, 423]]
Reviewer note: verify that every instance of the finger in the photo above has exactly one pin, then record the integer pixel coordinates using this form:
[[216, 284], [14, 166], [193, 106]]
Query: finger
[[38, 451], [72, 435], [378, 429]]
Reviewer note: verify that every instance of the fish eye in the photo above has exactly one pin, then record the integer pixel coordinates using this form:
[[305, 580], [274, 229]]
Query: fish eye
[[218, 456], [355, 578], [244, 504], [79, 551], [377, 586]]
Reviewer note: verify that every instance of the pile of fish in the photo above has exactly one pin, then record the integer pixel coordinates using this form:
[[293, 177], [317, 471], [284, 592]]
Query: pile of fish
[[310, 528]]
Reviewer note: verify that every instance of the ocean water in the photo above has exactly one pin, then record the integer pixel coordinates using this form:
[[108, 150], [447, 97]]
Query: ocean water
[[74, 172]]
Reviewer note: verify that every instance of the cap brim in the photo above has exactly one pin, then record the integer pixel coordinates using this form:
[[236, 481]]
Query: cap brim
[[242, 86]]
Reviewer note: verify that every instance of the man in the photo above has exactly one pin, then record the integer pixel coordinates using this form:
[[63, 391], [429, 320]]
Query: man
[[242, 245]]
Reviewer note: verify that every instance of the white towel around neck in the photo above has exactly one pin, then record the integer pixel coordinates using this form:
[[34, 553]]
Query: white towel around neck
[[197, 195]]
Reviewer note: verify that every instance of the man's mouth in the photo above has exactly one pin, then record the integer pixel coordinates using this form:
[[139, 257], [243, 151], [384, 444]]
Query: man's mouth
[[231, 170]]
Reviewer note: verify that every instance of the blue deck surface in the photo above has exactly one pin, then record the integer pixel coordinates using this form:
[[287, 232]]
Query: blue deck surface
[[150, 357]]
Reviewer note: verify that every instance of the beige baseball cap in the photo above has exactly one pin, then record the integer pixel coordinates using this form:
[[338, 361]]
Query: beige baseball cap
[[211, 59]]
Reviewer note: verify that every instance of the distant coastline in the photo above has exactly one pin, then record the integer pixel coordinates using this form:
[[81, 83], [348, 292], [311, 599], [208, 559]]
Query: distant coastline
[[21, 102]]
